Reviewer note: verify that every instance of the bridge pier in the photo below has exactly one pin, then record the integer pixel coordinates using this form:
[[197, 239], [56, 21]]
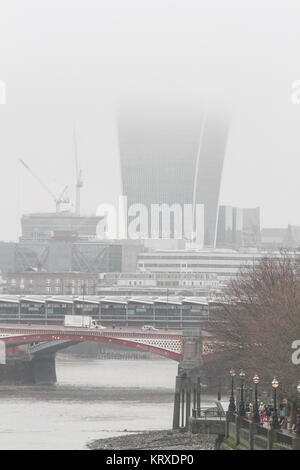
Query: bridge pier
[[43, 369], [187, 386], [40, 370], [16, 372]]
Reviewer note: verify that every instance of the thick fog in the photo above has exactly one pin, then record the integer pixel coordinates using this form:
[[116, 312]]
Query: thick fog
[[75, 61]]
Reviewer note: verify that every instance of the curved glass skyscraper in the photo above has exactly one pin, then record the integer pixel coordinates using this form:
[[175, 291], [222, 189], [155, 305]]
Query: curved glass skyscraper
[[173, 155]]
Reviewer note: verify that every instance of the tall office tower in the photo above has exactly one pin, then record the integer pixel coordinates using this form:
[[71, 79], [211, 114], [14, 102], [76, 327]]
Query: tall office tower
[[237, 235], [251, 227], [173, 155], [225, 227], [238, 227]]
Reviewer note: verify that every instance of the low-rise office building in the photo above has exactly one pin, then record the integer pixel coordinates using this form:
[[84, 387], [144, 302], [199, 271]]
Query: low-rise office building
[[224, 264], [146, 283], [35, 283]]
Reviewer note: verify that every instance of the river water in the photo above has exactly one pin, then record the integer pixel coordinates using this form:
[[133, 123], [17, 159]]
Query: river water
[[93, 399]]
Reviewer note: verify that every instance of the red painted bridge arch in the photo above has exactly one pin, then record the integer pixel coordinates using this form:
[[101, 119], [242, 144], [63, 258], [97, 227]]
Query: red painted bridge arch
[[168, 344]]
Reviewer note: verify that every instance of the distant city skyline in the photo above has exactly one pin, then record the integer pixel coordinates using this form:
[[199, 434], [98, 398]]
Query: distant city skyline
[[84, 77]]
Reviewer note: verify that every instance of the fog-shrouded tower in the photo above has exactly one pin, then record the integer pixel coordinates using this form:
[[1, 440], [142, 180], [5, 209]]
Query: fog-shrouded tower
[[173, 155]]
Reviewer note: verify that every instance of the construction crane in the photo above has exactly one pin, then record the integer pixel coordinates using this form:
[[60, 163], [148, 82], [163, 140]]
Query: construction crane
[[58, 200], [79, 182]]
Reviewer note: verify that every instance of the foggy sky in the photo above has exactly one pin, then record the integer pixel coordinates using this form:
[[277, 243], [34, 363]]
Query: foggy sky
[[66, 61]]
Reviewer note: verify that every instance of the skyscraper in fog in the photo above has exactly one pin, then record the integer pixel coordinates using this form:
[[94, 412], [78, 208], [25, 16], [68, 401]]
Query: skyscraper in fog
[[238, 227], [173, 155]]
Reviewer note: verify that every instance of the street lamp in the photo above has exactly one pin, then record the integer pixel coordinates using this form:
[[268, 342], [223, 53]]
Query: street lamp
[[231, 407], [275, 422], [298, 418], [255, 417], [241, 403]]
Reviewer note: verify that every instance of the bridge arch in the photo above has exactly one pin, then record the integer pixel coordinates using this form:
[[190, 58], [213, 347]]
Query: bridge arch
[[163, 348]]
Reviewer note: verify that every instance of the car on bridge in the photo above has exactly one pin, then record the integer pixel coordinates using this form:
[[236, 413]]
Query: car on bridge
[[149, 328], [95, 324]]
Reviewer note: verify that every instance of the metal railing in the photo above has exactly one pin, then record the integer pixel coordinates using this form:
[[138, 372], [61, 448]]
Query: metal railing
[[245, 424], [284, 439], [208, 413], [262, 431]]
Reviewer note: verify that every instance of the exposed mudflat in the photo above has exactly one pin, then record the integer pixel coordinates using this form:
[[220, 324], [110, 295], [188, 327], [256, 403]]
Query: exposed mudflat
[[156, 440]]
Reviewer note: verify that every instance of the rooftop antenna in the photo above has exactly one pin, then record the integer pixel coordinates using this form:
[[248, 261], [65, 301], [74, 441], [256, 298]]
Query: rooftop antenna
[[79, 182]]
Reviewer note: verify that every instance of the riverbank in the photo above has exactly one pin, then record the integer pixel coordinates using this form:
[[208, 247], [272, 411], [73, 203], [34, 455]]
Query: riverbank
[[156, 440]]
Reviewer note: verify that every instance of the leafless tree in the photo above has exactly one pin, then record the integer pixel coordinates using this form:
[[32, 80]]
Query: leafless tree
[[259, 319]]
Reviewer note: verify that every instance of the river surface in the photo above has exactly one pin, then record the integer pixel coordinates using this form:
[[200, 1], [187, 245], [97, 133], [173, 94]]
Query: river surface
[[93, 399]]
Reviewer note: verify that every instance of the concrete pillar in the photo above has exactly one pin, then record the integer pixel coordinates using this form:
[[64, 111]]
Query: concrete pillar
[[176, 413], [43, 369], [229, 416], [271, 436], [194, 411], [182, 406], [188, 402], [252, 432], [198, 391], [238, 420], [16, 372]]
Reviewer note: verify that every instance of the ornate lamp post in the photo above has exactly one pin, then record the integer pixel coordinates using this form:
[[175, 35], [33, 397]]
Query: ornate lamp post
[[231, 407], [298, 419], [242, 404], [255, 417], [275, 422]]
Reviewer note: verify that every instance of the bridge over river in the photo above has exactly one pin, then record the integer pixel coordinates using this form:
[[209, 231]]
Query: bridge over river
[[45, 340]]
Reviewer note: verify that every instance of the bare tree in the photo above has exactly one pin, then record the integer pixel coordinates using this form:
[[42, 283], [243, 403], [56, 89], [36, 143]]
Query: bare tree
[[259, 319]]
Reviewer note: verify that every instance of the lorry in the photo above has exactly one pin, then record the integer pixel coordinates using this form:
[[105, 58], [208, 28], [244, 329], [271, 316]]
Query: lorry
[[81, 321], [78, 321]]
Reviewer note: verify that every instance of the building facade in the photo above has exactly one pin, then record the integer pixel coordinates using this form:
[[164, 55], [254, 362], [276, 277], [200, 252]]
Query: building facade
[[238, 227], [66, 253], [165, 279], [37, 283], [225, 264], [42, 226]]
